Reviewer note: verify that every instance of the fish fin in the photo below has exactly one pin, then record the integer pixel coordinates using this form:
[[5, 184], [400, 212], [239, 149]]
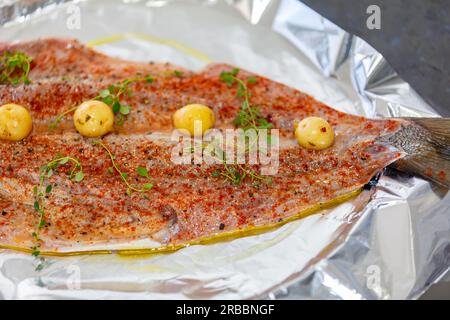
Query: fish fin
[[426, 142]]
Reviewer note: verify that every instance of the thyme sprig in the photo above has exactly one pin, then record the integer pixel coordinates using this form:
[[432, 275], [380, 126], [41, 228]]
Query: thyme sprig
[[248, 116], [237, 173], [54, 124], [141, 171], [112, 96], [234, 172], [42, 191], [14, 68]]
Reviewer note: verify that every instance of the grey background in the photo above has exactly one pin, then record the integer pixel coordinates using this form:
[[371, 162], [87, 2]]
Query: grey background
[[414, 38]]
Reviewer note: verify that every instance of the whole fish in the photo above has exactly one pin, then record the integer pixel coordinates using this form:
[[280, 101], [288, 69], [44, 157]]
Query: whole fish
[[187, 202]]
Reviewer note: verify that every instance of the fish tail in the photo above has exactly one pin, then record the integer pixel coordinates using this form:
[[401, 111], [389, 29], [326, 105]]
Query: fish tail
[[426, 142]]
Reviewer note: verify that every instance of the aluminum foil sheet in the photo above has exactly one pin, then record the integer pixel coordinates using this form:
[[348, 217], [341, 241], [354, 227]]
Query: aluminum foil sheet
[[394, 247]]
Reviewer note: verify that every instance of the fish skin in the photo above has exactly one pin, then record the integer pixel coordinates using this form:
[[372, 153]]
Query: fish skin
[[186, 202]]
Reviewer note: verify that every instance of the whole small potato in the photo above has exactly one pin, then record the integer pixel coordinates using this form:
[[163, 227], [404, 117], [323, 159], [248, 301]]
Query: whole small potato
[[93, 118], [15, 122], [190, 115], [314, 133]]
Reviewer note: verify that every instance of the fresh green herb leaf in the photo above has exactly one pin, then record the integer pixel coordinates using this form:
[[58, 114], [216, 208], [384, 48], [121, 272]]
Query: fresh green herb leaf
[[14, 68], [116, 107], [142, 171], [109, 100], [79, 176], [104, 93], [178, 73], [124, 109], [251, 80], [215, 174], [149, 79], [229, 77], [41, 224], [48, 189], [148, 186]]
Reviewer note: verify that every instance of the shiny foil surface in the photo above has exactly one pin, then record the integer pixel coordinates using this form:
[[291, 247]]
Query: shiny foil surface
[[391, 242]]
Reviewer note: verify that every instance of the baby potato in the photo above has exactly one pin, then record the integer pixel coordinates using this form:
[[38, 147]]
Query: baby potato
[[93, 118], [314, 133], [15, 122], [189, 115]]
